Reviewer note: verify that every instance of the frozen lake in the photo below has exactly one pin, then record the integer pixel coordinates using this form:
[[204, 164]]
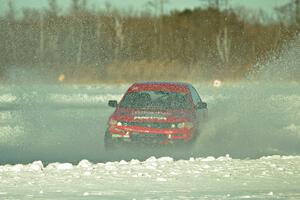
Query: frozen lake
[[66, 123], [57, 124]]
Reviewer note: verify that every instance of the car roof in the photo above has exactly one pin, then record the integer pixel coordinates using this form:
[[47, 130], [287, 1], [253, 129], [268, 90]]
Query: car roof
[[160, 86]]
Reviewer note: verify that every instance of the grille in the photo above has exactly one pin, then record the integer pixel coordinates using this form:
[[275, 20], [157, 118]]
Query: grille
[[148, 124]]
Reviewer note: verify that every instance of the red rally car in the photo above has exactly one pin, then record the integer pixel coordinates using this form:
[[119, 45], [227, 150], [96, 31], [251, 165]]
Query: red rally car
[[156, 113]]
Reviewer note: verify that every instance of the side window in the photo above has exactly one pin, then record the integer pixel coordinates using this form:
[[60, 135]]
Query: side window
[[195, 96]]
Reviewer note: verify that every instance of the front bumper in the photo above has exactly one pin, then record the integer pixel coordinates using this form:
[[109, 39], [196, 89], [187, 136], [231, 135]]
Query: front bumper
[[146, 135]]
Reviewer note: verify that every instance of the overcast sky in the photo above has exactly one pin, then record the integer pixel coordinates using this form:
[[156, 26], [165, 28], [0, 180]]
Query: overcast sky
[[137, 5]]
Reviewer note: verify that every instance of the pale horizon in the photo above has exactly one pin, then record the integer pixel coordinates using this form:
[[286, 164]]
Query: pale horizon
[[140, 5]]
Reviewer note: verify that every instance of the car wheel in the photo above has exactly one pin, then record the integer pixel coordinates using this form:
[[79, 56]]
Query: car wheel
[[108, 142], [191, 144]]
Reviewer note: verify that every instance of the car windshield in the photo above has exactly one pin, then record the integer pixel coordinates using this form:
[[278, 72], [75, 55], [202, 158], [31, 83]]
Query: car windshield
[[156, 100]]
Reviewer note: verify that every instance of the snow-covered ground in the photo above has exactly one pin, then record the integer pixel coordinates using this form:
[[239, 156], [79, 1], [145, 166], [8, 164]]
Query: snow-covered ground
[[63, 126], [163, 178]]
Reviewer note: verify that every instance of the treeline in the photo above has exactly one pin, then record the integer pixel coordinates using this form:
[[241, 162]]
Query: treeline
[[89, 46]]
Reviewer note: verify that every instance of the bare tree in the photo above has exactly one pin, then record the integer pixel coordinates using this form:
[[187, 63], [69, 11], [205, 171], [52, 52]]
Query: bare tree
[[222, 40], [53, 9], [289, 13], [119, 37], [158, 6], [42, 39], [224, 46], [78, 9], [10, 15], [297, 11], [217, 4]]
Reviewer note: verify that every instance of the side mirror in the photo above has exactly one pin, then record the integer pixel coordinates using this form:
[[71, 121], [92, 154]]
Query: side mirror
[[202, 105], [112, 103]]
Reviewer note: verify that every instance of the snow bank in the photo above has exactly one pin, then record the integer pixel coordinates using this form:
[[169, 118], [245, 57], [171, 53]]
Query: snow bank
[[275, 177], [151, 163]]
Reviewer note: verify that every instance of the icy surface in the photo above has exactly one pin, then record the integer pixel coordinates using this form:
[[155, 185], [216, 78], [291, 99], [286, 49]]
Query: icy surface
[[274, 177], [246, 119], [59, 131]]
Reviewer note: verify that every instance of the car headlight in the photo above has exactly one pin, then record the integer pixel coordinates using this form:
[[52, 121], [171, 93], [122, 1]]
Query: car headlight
[[185, 125], [113, 122], [119, 123]]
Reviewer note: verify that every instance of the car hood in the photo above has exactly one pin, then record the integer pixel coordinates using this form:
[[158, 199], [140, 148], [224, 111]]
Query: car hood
[[134, 115]]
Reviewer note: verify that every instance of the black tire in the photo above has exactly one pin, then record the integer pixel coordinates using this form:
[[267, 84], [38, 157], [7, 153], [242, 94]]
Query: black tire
[[108, 142], [194, 139], [192, 144]]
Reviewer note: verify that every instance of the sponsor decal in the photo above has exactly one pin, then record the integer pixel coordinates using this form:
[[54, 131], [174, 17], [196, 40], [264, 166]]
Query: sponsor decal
[[150, 117]]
